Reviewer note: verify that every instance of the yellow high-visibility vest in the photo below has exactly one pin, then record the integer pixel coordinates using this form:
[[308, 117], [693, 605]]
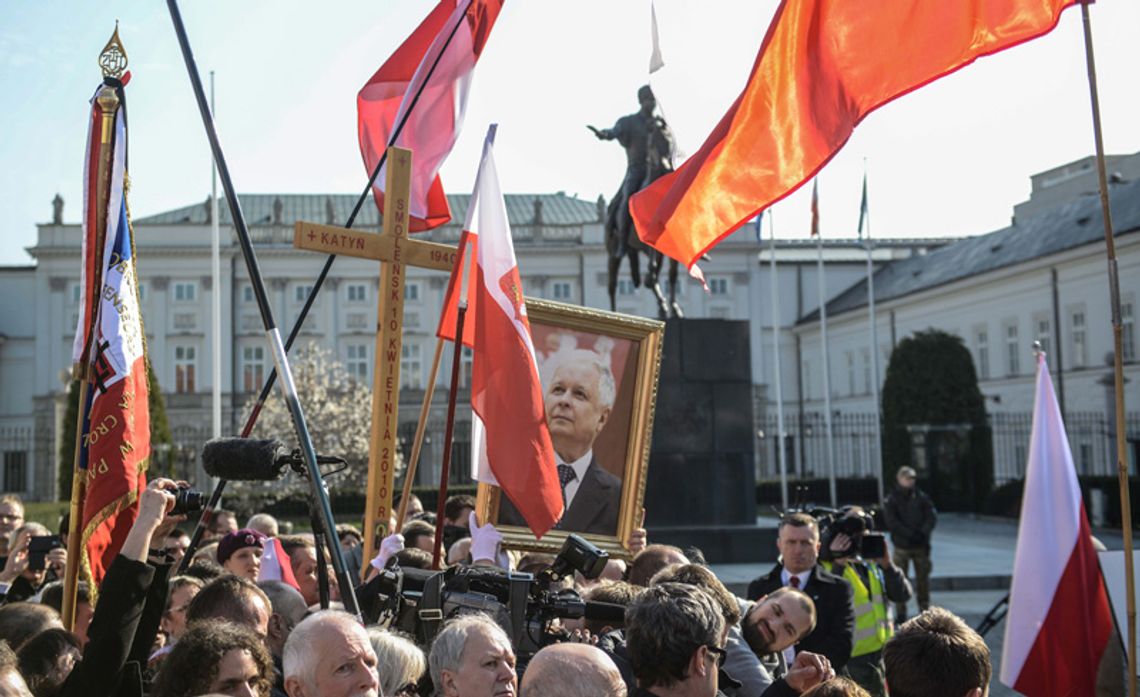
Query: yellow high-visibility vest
[[872, 625]]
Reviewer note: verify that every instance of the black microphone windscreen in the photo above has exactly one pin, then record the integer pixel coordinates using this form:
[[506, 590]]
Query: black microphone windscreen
[[605, 612], [243, 459]]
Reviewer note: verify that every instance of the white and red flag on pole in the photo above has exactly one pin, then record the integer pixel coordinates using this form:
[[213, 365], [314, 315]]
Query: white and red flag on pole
[[510, 441], [446, 45], [110, 353], [1059, 619]]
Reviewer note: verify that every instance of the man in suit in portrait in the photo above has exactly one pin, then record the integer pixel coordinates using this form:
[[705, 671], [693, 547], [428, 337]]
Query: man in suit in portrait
[[578, 403], [834, 633]]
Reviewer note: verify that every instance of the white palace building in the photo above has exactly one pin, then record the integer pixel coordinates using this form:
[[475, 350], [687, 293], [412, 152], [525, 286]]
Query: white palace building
[[1043, 278]]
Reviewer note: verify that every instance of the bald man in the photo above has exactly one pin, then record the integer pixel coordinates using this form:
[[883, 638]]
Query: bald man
[[572, 670]]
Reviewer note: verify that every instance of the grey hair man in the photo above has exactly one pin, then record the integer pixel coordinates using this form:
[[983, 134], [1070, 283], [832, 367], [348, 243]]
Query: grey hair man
[[472, 657], [329, 655], [572, 670], [264, 524]]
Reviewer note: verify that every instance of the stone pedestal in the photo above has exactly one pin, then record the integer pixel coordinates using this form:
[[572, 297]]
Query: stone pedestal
[[702, 479]]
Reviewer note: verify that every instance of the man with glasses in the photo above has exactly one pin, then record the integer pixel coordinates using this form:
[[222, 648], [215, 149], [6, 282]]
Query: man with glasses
[[675, 636]]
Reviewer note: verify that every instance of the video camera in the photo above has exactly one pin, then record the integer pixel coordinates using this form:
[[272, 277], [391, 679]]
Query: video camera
[[419, 601], [858, 526]]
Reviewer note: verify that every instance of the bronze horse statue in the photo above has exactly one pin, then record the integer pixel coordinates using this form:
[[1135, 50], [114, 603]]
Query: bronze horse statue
[[649, 151]]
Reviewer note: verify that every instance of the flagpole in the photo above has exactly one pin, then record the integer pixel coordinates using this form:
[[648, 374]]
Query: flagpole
[[421, 427], [445, 470], [108, 101], [1118, 355], [216, 295], [267, 388], [877, 445], [826, 350], [318, 493], [775, 295]]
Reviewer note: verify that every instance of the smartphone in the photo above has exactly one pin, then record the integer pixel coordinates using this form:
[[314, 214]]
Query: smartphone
[[38, 547]]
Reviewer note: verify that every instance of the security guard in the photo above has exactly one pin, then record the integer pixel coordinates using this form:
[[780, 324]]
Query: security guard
[[874, 584]]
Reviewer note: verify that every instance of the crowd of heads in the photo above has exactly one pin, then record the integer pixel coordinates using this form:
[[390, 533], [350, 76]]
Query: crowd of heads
[[223, 627]]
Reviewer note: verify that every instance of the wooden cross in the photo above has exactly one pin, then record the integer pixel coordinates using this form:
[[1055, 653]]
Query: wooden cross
[[395, 251]]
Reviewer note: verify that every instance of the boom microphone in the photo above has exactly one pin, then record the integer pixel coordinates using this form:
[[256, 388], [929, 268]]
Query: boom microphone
[[245, 459]]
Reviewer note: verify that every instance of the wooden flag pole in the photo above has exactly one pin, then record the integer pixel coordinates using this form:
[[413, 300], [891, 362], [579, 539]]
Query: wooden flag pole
[[108, 101], [445, 470], [421, 427], [1118, 357]]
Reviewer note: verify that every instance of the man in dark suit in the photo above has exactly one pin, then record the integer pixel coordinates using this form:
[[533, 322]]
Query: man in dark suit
[[798, 542], [578, 402]]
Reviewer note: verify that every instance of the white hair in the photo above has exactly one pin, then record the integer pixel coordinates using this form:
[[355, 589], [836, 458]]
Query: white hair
[[607, 389], [447, 649], [299, 658], [403, 661], [264, 524]]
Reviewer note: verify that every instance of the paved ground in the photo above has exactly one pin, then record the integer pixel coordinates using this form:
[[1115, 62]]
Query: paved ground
[[973, 563]]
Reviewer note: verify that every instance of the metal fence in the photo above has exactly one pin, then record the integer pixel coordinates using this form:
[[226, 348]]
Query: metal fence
[[16, 449], [805, 446], [1092, 439]]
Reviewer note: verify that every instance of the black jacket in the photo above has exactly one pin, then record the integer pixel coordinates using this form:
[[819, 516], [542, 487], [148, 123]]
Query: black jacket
[[111, 637], [594, 509], [834, 633], [910, 516]]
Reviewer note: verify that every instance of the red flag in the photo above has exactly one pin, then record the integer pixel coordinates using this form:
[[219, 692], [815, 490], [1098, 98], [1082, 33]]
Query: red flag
[[823, 66], [116, 432], [447, 45], [509, 437], [1059, 620], [450, 314], [815, 208]]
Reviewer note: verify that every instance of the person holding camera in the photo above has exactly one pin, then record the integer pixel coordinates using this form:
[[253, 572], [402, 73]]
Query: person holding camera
[[799, 543], [36, 558], [874, 582]]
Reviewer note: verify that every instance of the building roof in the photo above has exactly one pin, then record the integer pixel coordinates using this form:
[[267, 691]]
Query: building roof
[[334, 209], [1068, 226]]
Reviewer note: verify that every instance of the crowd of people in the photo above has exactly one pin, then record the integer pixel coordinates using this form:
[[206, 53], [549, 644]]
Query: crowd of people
[[245, 618]]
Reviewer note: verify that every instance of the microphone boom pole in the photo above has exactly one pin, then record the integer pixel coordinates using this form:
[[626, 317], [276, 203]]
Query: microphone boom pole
[[318, 494], [216, 496]]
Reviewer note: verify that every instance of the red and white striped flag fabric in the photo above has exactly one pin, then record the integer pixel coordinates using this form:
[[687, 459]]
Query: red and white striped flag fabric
[[446, 44], [510, 441], [110, 353], [275, 564], [1059, 619]]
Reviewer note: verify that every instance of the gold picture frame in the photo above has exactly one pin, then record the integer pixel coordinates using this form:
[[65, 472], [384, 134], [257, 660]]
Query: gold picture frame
[[632, 346]]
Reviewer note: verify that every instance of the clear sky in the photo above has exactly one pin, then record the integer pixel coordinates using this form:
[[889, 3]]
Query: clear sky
[[950, 159]]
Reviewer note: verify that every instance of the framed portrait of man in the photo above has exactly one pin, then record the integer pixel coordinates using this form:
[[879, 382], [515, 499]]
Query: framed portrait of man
[[599, 375]]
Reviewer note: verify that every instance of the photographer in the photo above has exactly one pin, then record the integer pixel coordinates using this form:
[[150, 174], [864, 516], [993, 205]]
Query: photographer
[[874, 582], [131, 600], [27, 569]]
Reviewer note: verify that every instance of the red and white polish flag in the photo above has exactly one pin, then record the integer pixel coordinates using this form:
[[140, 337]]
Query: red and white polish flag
[[510, 441], [446, 44], [1059, 619]]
